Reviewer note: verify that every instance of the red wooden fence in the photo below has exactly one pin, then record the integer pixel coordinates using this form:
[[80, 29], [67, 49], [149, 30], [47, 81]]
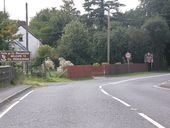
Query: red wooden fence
[[81, 71]]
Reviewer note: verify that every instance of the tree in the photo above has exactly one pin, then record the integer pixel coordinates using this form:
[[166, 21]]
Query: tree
[[74, 43], [68, 7], [119, 42], [44, 52], [158, 31], [138, 43], [48, 25], [153, 7], [96, 10], [7, 30], [98, 47]]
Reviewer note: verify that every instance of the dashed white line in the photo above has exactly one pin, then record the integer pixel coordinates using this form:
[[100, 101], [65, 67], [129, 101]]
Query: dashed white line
[[128, 105], [117, 99], [151, 120], [14, 104], [121, 101]]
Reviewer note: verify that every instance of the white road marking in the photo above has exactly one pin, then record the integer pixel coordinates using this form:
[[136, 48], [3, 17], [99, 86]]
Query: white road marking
[[26, 95], [117, 99], [8, 109], [133, 79], [14, 104], [159, 87], [151, 120], [105, 92], [128, 105], [121, 101]]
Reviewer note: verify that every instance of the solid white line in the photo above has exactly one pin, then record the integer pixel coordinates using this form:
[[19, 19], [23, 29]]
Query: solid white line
[[121, 101], [25, 95], [133, 79], [14, 104], [151, 120], [8, 109]]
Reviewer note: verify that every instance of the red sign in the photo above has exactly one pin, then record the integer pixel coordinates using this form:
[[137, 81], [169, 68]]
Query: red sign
[[128, 55], [14, 55], [148, 58]]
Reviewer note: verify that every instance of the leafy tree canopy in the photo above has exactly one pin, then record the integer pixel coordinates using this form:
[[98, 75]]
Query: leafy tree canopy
[[7, 30]]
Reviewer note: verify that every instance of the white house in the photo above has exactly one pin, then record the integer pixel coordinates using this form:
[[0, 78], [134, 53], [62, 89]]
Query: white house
[[20, 44]]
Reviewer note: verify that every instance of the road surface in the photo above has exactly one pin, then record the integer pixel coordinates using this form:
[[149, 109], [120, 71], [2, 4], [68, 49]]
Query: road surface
[[115, 102]]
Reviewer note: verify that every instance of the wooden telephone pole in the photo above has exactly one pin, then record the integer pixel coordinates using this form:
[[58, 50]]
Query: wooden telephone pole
[[27, 47]]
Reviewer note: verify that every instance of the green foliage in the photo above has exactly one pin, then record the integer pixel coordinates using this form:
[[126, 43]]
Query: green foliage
[[69, 8], [48, 25], [96, 11], [97, 46], [96, 64], [152, 7], [7, 30], [158, 31], [42, 53], [138, 43], [74, 43]]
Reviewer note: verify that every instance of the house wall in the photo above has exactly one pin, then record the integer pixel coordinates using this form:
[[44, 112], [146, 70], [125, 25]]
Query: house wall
[[33, 42]]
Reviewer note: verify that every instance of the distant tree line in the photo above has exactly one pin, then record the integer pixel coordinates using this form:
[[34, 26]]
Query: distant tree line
[[82, 38]]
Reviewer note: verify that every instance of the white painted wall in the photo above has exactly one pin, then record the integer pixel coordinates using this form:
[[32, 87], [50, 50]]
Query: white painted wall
[[33, 43]]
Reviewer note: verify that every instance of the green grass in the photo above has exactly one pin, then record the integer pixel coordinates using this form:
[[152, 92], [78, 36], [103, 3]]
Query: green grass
[[81, 79], [129, 74], [35, 81], [55, 79]]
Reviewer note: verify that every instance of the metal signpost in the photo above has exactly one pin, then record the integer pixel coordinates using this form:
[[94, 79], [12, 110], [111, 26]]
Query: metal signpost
[[128, 57], [14, 56]]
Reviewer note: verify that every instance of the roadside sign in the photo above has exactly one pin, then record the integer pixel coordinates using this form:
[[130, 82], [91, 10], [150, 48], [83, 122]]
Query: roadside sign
[[148, 58], [128, 56], [14, 55]]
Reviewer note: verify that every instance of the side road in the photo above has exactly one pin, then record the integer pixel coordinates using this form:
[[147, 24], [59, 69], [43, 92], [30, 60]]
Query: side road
[[8, 93]]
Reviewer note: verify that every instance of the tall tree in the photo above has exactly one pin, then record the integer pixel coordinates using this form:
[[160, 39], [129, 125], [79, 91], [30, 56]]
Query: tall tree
[[153, 7], [48, 25], [158, 30], [68, 7], [7, 30], [74, 43], [96, 10]]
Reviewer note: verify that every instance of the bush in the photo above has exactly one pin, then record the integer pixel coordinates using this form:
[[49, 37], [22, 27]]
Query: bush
[[96, 64]]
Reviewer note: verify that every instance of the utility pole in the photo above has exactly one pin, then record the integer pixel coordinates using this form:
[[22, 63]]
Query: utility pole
[[108, 38], [27, 47], [4, 6], [27, 27]]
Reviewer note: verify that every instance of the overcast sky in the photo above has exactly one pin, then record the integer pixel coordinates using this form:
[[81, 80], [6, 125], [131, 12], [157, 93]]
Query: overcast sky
[[16, 8]]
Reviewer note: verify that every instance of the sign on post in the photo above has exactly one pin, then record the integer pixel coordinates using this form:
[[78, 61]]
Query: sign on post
[[14, 55], [128, 57], [149, 59]]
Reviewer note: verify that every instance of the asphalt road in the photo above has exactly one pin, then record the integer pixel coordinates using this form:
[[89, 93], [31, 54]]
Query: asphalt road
[[117, 102]]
